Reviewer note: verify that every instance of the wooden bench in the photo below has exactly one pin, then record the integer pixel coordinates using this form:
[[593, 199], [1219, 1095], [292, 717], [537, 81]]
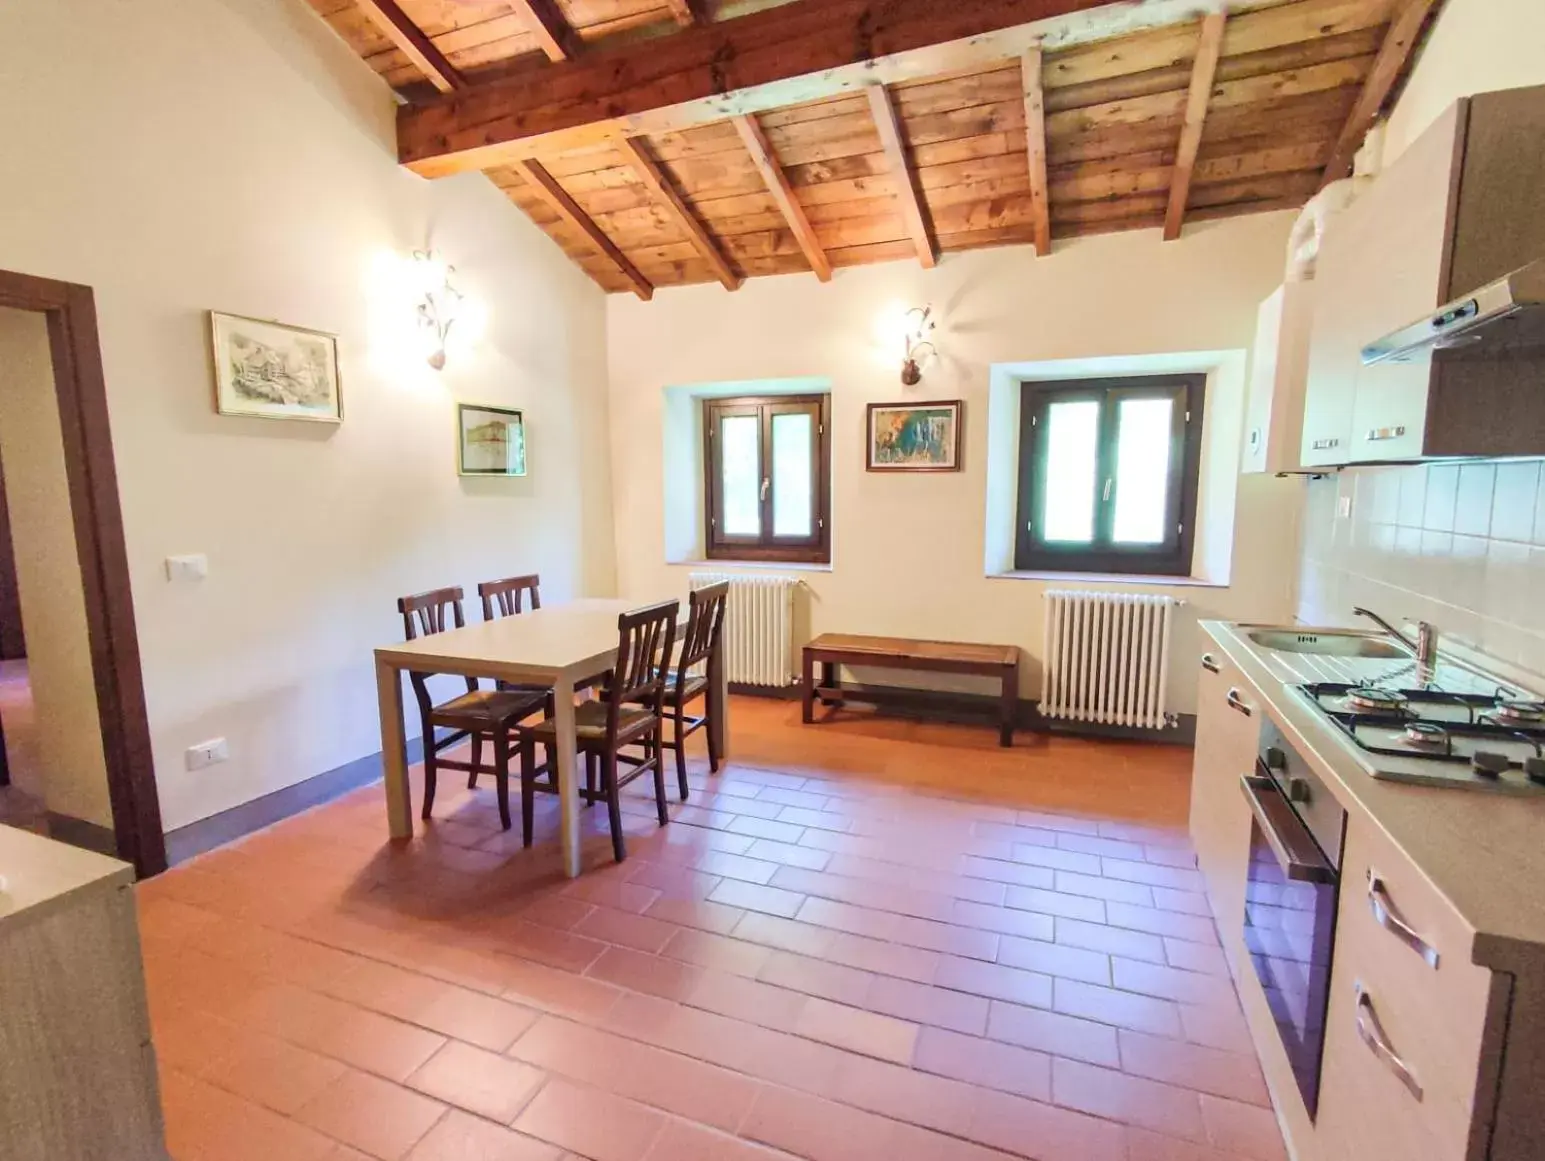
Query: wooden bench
[[830, 650]]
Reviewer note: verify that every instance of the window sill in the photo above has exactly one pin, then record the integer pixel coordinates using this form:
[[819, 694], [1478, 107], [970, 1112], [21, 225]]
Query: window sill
[[762, 565], [1112, 578]]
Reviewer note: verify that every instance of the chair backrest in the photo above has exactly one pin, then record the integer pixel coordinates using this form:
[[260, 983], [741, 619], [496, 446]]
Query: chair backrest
[[507, 595], [424, 614], [644, 644], [705, 624]]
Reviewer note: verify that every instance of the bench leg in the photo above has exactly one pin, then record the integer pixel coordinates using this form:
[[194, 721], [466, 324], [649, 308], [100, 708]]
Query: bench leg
[[1010, 705], [808, 688], [830, 679]]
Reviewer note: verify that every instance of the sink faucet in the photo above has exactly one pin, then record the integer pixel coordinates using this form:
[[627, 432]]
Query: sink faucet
[[1426, 647]]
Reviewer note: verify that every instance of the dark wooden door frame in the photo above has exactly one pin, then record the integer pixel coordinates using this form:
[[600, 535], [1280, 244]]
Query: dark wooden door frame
[[81, 389]]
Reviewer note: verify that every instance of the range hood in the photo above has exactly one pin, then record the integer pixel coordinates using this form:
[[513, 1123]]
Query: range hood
[[1505, 315]]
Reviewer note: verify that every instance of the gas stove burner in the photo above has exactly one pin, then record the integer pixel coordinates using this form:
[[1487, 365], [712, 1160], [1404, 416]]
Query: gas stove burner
[[1426, 736], [1520, 713], [1376, 701], [1489, 765]]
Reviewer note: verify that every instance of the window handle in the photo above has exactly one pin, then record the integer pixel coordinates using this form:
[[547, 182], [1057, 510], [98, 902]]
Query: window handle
[[766, 483], [1106, 498]]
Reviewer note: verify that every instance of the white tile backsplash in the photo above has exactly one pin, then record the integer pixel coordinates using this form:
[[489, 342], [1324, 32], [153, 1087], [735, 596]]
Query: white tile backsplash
[[1460, 545]]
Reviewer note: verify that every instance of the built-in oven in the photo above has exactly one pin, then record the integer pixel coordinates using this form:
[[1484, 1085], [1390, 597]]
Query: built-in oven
[[1290, 899]]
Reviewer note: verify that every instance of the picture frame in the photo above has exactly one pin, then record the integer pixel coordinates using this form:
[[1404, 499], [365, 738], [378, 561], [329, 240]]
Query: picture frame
[[272, 370], [490, 440], [914, 437]]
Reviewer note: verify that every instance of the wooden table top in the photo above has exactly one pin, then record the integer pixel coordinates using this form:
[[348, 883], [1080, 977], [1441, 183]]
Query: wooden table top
[[906, 648]]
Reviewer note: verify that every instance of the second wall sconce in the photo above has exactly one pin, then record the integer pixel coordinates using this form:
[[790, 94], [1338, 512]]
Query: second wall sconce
[[439, 305], [920, 324]]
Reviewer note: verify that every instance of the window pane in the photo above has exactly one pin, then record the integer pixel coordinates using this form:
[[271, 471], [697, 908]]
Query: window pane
[[740, 450], [1072, 456], [792, 475], [1142, 470]]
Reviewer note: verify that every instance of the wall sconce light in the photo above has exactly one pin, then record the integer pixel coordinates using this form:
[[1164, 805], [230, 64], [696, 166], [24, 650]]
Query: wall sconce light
[[439, 305], [920, 324]]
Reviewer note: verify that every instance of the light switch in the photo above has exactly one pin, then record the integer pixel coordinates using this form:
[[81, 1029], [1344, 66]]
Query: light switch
[[192, 567], [1344, 506]]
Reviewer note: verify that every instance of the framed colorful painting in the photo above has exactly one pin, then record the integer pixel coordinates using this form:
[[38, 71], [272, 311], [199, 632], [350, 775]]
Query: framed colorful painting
[[269, 370], [491, 441], [914, 437]]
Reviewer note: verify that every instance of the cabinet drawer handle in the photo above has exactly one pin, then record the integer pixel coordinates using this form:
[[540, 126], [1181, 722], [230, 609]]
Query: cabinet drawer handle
[[1235, 702], [1371, 1033], [1383, 908], [1381, 433], [1210, 663], [1324, 444]]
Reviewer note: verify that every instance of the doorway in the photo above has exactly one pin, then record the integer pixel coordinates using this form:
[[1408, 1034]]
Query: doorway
[[114, 689]]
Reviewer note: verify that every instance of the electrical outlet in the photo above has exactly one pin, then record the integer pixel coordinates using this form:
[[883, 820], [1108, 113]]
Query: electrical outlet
[[208, 753], [192, 567]]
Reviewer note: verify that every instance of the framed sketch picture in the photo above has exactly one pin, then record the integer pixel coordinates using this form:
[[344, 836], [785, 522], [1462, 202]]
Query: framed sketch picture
[[914, 437], [491, 441], [273, 371]]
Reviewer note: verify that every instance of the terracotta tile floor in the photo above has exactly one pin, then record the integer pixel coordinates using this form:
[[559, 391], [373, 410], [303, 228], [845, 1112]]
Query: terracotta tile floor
[[868, 939]]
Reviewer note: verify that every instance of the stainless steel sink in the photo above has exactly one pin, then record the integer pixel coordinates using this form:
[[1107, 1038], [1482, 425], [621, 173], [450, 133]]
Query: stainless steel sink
[[1328, 644]]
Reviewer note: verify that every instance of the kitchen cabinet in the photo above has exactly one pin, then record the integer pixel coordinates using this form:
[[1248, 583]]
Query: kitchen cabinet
[[1279, 371], [1456, 210]]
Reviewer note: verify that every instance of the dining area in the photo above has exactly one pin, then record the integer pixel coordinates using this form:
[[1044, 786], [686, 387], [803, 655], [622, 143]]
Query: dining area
[[610, 682]]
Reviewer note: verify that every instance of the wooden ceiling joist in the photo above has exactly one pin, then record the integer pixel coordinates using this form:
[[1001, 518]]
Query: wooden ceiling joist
[[553, 31], [670, 201], [1203, 72], [913, 213], [413, 44], [771, 169], [1031, 71], [558, 200], [1394, 56]]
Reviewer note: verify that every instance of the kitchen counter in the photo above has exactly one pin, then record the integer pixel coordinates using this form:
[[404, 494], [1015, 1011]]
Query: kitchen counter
[[1483, 851], [38, 876]]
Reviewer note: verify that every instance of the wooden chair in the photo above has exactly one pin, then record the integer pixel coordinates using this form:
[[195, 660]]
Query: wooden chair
[[506, 598], [630, 714], [700, 644], [476, 714]]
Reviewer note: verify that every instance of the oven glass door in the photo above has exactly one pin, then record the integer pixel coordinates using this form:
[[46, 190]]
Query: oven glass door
[[1290, 924]]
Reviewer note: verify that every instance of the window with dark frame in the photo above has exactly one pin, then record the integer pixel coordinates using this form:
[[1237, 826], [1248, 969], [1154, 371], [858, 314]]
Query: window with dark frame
[[767, 478], [1108, 472]]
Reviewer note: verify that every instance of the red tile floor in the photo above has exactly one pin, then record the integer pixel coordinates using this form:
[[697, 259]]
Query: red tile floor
[[865, 939]]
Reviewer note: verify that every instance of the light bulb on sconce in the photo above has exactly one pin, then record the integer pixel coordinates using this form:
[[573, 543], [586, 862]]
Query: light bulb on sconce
[[439, 305], [920, 324]]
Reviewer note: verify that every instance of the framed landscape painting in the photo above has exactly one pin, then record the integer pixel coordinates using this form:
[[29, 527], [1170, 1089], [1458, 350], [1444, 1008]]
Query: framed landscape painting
[[914, 437], [491, 441], [272, 371]]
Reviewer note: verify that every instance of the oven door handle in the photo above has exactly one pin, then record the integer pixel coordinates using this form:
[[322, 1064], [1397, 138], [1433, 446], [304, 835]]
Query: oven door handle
[[1287, 836]]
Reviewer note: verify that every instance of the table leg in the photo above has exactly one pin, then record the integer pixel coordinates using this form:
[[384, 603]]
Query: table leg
[[719, 710], [394, 752], [808, 686], [831, 679], [568, 790], [1010, 706]]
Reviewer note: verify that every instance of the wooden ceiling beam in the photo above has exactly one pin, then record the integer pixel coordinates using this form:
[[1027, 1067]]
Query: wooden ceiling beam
[[1203, 72], [796, 52], [1032, 70], [557, 36], [1400, 42], [413, 44], [766, 162], [907, 197], [637, 156], [547, 188]]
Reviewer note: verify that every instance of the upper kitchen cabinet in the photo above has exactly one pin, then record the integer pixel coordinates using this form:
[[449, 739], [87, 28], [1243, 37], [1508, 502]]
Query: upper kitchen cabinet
[[1459, 209]]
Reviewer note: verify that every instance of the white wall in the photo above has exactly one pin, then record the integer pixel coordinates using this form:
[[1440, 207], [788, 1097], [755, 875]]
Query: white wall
[[1476, 46], [233, 154], [71, 773], [909, 549]]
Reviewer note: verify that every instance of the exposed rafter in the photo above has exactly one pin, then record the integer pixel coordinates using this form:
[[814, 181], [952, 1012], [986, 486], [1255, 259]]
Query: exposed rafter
[[557, 36], [907, 197], [1208, 49], [767, 164], [795, 52], [566, 208], [685, 11], [667, 198], [413, 44], [1031, 69], [1394, 54]]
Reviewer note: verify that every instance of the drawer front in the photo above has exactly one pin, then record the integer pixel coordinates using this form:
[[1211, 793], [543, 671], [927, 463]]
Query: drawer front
[[1398, 1025], [1227, 738]]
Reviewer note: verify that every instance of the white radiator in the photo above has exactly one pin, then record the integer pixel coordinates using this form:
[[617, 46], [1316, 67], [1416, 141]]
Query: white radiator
[[758, 627], [1107, 658]]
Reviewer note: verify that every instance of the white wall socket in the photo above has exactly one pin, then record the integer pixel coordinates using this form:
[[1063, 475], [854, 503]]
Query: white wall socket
[[194, 566], [208, 753]]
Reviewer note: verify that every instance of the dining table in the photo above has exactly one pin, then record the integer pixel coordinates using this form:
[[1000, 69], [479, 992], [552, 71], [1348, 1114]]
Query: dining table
[[565, 646]]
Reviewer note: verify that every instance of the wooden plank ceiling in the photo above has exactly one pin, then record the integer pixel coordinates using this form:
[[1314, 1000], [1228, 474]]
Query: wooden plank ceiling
[[1208, 117]]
